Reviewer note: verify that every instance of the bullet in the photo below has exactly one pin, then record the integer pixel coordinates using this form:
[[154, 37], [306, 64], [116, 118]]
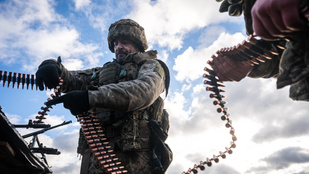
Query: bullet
[[223, 156], [214, 89], [234, 138], [232, 131], [233, 145], [87, 125], [100, 153], [195, 169], [40, 117], [111, 164], [208, 162], [4, 77], [216, 159], [105, 161], [0, 75], [208, 70], [213, 83], [228, 150], [216, 96], [115, 168], [28, 80], [32, 81], [223, 109], [18, 80], [217, 102], [224, 117], [95, 145], [202, 166], [9, 78], [228, 125]]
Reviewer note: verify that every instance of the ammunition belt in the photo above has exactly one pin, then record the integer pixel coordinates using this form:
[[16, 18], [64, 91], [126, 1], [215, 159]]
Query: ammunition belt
[[44, 109], [251, 51], [94, 135], [23, 79], [99, 145]]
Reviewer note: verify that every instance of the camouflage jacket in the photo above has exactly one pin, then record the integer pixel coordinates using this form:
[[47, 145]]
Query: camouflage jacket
[[136, 94], [125, 97], [122, 94]]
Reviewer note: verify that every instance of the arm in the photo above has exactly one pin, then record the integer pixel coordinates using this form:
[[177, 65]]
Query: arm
[[76, 80], [131, 95]]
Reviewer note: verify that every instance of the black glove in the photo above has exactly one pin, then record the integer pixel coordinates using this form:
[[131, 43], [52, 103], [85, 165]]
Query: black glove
[[234, 7], [48, 73], [76, 101]]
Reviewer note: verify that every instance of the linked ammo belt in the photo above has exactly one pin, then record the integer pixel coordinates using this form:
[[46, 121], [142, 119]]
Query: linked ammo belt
[[251, 51]]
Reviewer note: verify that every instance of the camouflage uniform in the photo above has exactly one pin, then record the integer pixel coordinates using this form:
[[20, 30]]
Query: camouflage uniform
[[290, 67], [125, 96]]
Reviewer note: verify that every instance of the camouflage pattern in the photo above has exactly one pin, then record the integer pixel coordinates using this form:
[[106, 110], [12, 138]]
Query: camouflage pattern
[[294, 67], [138, 163], [129, 29], [291, 66], [122, 103]]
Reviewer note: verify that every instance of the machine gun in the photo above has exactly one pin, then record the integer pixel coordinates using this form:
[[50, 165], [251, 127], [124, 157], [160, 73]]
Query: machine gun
[[35, 139]]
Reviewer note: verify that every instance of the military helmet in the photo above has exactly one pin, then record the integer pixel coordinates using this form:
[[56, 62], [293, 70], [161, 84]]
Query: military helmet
[[129, 29]]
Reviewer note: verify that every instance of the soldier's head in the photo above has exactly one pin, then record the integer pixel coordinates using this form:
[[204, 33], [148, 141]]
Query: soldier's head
[[126, 36]]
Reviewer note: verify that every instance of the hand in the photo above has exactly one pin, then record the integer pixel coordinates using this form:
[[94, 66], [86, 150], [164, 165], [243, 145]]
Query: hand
[[274, 19], [234, 7], [76, 101], [48, 73], [228, 70]]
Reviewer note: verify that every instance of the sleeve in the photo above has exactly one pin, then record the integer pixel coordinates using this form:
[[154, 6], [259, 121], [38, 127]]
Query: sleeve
[[76, 80], [131, 95]]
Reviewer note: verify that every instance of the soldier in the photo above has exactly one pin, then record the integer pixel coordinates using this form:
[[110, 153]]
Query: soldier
[[274, 21], [125, 96]]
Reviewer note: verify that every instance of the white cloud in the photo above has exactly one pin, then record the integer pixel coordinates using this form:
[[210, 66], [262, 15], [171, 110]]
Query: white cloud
[[168, 22], [81, 4], [14, 119], [40, 32], [190, 64], [73, 64]]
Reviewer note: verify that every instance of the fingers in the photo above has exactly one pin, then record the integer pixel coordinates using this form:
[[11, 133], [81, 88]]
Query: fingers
[[273, 19], [39, 82], [55, 101], [292, 20]]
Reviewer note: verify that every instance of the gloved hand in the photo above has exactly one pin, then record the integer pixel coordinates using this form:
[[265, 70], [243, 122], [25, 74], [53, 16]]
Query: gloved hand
[[76, 101], [274, 19], [234, 7], [48, 73]]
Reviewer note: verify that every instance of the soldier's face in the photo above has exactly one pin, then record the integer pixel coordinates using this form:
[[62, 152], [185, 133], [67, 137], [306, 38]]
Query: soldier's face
[[123, 47]]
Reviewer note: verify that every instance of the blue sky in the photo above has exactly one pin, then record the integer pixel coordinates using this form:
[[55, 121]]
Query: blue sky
[[272, 130]]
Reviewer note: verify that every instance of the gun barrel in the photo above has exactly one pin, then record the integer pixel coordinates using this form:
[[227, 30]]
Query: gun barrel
[[35, 126], [46, 129]]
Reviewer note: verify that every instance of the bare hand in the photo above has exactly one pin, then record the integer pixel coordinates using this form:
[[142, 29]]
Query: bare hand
[[228, 70], [274, 19]]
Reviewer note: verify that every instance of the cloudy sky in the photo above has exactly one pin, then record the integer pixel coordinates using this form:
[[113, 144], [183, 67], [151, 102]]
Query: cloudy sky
[[272, 130]]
